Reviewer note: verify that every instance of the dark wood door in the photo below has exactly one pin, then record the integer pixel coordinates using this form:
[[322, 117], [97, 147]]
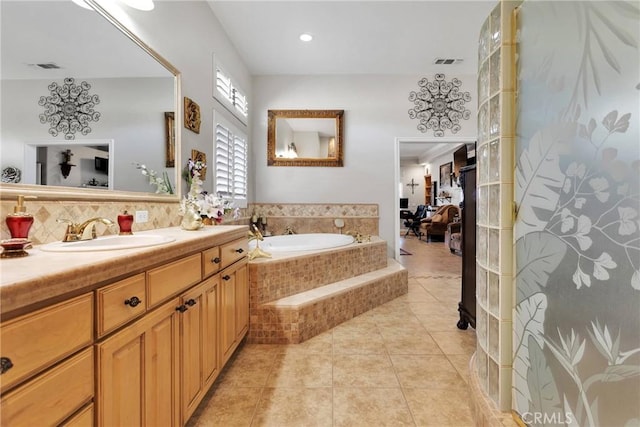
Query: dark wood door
[[467, 306]]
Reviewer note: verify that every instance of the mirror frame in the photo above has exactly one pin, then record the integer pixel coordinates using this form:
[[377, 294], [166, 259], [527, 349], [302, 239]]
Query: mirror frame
[[10, 191], [273, 115]]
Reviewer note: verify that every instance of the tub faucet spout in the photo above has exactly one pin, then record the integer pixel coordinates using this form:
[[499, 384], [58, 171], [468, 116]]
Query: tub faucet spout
[[289, 230], [359, 238]]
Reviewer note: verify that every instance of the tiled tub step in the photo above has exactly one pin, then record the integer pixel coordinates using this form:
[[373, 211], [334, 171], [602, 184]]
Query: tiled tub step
[[296, 318]]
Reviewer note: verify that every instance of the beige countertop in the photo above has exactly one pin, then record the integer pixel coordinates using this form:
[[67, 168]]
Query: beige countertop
[[45, 277]]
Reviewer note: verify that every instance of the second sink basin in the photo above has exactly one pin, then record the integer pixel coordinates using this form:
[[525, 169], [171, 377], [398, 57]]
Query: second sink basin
[[108, 243]]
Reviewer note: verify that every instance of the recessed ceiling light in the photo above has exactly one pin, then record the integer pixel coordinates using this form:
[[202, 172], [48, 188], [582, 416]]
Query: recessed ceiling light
[[306, 37]]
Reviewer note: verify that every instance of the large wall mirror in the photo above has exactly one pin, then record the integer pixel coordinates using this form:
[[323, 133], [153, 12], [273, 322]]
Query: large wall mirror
[[305, 138], [137, 90]]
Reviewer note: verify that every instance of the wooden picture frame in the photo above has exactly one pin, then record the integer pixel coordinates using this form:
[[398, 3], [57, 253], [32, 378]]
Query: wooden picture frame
[[329, 124], [170, 139], [192, 118], [445, 174]]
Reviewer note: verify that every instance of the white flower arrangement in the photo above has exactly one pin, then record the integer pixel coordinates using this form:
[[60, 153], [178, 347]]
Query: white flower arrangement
[[163, 185], [205, 204]]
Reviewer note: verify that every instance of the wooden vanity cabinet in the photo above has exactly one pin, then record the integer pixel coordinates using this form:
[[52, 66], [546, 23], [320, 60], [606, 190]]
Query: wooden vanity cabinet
[[156, 370], [141, 351]]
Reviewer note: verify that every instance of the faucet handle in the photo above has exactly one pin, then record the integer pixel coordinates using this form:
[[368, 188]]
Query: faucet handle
[[71, 233]]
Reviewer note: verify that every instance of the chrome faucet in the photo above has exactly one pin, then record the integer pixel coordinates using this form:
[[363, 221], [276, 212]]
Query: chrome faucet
[[83, 231]]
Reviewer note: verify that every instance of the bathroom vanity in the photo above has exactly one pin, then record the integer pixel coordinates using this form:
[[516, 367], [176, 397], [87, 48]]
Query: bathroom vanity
[[123, 337]]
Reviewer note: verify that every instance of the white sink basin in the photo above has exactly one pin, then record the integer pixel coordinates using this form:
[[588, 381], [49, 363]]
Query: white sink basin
[[108, 243]]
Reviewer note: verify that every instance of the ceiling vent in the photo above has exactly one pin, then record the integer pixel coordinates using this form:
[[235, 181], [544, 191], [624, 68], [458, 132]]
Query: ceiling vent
[[447, 61], [47, 66]]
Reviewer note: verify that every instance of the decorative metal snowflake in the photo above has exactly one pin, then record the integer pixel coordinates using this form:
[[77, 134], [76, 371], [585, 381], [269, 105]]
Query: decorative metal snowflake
[[69, 108], [439, 105]]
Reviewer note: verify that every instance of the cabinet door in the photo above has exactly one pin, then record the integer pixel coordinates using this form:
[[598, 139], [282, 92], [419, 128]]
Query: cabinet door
[[234, 306], [242, 302], [211, 359], [137, 372], [198, 343], [227, 315], [191, 347]]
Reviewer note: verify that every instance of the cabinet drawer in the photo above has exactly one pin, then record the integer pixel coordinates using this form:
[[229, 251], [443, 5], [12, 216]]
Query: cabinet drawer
[[166, 281], [52, 396], [120, 302], [211, 261], [84, 418], [233, 251], [37, 340]]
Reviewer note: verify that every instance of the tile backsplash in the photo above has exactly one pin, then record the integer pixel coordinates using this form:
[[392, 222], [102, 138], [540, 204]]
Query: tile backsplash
[[302, 218]]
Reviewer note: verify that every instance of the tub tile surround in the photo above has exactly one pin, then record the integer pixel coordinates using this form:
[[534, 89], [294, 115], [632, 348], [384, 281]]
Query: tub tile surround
[[296, 297], [318, 217], [285, 274]]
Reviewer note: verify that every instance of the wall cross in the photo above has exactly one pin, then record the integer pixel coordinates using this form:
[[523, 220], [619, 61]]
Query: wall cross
[[412, 185]]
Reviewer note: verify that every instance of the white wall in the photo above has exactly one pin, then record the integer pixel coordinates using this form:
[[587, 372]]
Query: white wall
[[409, 171], [376, 112]]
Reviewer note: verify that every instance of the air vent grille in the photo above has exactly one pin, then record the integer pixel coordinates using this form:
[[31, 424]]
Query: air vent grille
[[48, 66], [447, 61]]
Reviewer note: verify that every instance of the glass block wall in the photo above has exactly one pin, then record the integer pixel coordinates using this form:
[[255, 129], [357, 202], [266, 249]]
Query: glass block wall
[[494, 244]]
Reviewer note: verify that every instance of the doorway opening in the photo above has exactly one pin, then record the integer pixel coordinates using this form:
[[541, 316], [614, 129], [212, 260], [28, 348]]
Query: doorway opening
[[421, 152]]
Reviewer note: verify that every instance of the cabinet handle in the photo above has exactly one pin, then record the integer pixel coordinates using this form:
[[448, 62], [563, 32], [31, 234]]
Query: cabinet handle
[[5, 364], [132, 302], [240, 250], [191, 302], [215, 260], [182, 308], [226, 277]]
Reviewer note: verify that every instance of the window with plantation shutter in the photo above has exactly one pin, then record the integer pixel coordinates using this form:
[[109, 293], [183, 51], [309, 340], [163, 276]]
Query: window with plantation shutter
[[229, 94], [230, 162]]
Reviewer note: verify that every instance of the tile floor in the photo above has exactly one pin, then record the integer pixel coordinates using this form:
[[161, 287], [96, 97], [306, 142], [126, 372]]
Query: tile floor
[[403, 363]]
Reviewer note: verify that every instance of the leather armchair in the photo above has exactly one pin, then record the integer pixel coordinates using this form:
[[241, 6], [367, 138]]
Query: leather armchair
[[436, 225]]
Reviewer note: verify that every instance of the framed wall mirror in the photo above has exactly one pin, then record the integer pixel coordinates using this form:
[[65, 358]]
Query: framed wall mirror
[[305, 138], [137, 89]]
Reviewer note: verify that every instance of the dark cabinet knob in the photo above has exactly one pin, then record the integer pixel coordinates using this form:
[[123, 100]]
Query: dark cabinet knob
[[191, 302], [182, 308], [133, 301], [215, 260], [5, 364], [226, 277], [240, 250]]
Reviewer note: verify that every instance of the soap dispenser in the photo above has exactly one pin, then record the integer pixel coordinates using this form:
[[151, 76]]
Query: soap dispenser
[[19, 222], [125, 220]]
